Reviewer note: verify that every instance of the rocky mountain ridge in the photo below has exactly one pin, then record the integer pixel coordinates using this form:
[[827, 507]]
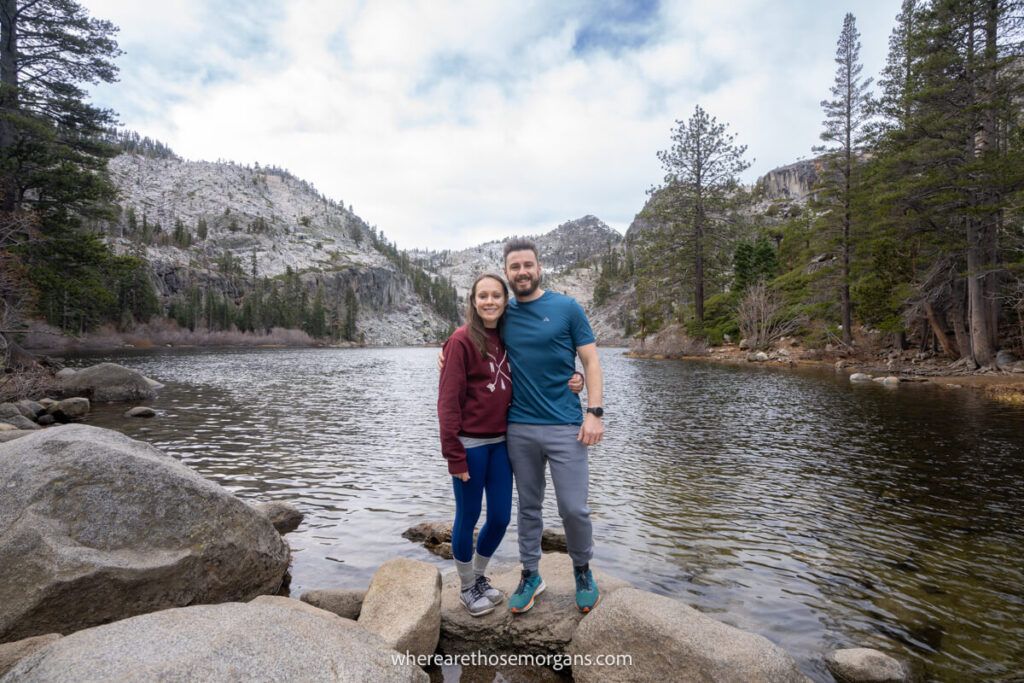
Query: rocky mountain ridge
[[570, 246], [222, 226]]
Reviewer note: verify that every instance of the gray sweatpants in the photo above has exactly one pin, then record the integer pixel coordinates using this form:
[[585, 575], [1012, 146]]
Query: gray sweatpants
[[530, 449]]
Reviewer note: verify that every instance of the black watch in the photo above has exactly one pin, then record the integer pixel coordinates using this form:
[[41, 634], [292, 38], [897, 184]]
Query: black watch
[[596, 411]]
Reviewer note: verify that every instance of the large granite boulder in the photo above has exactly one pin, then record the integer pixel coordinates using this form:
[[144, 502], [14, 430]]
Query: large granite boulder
[[258, 641], [99, 527], [668, 640], [403, 605], [546, 628], [9, 410], [12, 653], [108, 382], [14, 433]]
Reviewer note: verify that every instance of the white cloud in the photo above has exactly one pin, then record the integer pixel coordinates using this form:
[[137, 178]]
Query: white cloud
[[449, 123]]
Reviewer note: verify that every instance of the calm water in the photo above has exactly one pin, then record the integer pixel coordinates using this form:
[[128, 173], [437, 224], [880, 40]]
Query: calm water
[[816, 513]]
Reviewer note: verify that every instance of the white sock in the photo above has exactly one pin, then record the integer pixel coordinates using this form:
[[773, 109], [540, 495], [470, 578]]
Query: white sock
[[480, 563], [466, 574]]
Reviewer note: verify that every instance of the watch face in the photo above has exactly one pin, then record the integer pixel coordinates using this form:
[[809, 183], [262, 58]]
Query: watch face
[[597, 412]]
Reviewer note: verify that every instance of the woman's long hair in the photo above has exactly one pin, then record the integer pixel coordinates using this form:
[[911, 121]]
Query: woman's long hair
[[474, 323]]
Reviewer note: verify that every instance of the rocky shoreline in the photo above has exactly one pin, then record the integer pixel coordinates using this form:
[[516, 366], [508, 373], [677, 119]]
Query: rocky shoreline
[[122, 563], [1005, 385]]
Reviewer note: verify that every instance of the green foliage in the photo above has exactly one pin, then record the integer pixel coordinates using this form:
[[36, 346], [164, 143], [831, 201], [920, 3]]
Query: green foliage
[[437, 292], [349, 329], [753, 262], [181, 237], [52, 148], [720, 317], [82, 285], [612, 272]]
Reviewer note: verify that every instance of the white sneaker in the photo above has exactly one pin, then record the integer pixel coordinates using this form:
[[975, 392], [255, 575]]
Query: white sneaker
[[490, 592], [475, 602]]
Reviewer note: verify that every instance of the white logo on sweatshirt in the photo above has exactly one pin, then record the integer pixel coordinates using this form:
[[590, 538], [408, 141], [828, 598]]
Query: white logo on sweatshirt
[[499, 374]]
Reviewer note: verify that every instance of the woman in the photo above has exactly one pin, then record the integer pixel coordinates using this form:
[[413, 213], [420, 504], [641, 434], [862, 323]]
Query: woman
[[474, 394], [473, 398]]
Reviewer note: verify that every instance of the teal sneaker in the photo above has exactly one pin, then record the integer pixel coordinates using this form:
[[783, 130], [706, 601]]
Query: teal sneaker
[[530, 586], [587, 595]]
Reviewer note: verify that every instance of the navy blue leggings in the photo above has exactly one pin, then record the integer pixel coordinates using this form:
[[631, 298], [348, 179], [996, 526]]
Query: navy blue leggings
[[490, 472]]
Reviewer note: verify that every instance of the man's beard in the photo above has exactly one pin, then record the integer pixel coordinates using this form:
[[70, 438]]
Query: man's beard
[[534, 284]]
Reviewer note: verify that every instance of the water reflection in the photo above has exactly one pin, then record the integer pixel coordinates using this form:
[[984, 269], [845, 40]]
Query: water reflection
[[817, 513]]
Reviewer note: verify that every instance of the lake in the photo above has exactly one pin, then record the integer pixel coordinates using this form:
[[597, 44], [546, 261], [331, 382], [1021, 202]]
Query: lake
[[814, 512]]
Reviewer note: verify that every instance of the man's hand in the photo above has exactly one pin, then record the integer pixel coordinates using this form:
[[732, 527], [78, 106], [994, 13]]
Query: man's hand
[[576, 382], [440, 360], [591, 431]]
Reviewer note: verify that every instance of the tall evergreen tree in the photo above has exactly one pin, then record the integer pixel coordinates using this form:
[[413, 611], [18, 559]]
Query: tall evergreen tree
[[51, 139], [700, 188], [955, 165], [845, 135]]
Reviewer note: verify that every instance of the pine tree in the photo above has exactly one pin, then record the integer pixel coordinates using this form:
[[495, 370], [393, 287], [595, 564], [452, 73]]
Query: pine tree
[[954, 168], [693, 204], [52, 151], [845, 135], [349, 330]]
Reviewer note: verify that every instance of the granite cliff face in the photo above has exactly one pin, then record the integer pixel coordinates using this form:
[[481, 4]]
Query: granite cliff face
[[794, 182], [264, 221]]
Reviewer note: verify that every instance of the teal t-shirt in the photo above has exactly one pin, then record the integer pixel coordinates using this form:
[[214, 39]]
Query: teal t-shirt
[[541, 337]]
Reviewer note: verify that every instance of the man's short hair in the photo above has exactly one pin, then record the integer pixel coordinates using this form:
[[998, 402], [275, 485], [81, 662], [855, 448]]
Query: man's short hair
[[520, 244]]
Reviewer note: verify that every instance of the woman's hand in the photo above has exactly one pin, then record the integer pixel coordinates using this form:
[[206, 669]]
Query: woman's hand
[[576, 382], [462, 476]]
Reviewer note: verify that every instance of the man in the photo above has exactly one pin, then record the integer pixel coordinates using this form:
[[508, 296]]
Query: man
[[543, 333]]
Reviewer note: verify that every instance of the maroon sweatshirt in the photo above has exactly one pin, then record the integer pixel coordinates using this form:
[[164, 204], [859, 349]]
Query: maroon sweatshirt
[[473, 395]]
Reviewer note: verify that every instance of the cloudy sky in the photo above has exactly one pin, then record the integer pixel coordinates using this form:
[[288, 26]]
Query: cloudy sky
[[447, 124]]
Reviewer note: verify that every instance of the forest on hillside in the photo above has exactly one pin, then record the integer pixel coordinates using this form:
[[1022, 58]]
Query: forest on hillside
[[58, 203], [913, 233]]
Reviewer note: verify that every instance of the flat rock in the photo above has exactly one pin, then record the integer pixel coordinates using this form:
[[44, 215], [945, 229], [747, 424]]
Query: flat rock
[[432, 531], [108, 382], [46, 420], [345, 603], [546, 628], [284, 516], [667, 640], [69, 409], [100, 527], [47, 402], [30, 409], [257, 641], [403, 605], [865, 665], [553, 541], [140, 411], [860, 377], [435, 535], [12, 653], [9, 410], [64, 373], [5, 427], [19, 422]]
